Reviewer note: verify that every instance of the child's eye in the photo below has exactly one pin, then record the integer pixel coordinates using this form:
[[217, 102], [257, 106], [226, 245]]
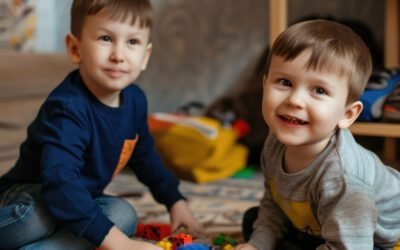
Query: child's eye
[[133, 41], [285, 82], [320, 91], [105, 38]]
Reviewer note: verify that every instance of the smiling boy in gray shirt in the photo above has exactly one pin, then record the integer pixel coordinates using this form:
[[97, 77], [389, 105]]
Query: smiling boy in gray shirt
[[319, 181]]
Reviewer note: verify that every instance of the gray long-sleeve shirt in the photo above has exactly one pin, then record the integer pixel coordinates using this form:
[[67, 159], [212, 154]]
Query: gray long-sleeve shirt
[[346, 196]]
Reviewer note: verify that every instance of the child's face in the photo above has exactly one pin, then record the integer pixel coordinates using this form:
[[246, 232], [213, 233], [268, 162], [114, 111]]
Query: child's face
[[303, 107], [111, 54]]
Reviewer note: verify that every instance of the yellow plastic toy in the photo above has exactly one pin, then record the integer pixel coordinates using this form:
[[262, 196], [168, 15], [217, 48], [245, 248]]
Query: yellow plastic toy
[[197, 148], [227, 247], [164, 244]]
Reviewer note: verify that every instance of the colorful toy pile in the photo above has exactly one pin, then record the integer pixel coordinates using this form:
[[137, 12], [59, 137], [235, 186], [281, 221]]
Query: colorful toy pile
[[181, 241]]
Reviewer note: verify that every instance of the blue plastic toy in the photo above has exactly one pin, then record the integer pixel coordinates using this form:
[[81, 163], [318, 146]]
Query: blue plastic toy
[[194, 246]]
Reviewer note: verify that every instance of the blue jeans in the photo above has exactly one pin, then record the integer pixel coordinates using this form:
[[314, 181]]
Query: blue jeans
[[25, 223]]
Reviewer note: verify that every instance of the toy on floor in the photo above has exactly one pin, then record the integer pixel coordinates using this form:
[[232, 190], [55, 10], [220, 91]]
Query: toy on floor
[[180, 240], [165, 244], [173, 242], [200, 246], [162, 233], [184, 242], [194, 246], [153, 231], [222, 240]]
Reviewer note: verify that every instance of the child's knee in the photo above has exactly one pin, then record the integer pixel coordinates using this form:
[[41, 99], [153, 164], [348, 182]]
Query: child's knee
[[128, 221], [123, 215], [18, 207], [24, 220], [127, 210]]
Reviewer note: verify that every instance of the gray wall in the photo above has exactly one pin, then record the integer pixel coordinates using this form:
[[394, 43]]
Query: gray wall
[[205, 49]]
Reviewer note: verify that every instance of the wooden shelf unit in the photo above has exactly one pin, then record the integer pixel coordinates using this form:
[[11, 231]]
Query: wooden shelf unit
[[390, 131], [278, 22]]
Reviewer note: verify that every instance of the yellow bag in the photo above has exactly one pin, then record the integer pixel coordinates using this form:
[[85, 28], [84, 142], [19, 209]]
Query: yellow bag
[[197, 148]]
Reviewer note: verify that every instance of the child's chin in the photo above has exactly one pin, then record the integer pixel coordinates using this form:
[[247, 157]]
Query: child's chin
[[289, 140]]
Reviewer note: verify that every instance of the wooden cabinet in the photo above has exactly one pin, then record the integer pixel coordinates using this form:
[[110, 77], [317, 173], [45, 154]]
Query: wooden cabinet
[[278, 22], [392, 59]]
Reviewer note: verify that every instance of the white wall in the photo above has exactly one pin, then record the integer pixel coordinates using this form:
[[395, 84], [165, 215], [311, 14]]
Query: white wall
[[53, 20]]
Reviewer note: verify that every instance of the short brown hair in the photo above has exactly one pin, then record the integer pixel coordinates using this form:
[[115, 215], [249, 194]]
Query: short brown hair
[[117, 9], [333, 46]]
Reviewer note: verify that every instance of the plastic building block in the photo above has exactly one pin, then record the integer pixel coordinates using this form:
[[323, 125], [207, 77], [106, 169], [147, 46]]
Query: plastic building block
[[221, 240], [227, 247], [180, 240], [194, 246], [165, 244], [153, 231], [173, 242]]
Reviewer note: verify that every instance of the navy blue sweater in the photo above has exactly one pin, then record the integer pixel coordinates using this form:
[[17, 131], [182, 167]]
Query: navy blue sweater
[[73, 148]]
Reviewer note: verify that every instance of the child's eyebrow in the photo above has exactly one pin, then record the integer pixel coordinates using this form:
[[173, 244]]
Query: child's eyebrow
[[103, 29], [137, 34], [133, 34], [320, 81], [280, 72]]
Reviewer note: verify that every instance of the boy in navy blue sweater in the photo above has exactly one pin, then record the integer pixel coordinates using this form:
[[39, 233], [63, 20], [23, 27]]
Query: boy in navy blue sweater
[[90, 127]]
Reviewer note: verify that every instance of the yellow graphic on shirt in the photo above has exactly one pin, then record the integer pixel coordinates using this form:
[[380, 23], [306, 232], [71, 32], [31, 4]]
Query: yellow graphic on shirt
[[126, 153], [298, 212]]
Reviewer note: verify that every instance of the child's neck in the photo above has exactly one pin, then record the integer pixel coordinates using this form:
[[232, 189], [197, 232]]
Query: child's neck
[[111, 100], [298, 158]]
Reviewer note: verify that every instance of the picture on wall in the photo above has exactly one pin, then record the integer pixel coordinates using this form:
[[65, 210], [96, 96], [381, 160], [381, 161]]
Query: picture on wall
[[17, 24]]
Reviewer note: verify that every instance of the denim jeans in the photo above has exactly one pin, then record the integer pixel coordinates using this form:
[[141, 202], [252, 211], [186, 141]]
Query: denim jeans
[[25, 223]]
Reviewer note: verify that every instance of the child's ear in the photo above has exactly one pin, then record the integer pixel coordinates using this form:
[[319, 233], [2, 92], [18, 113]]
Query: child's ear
[[72, 46], [147, 54], [353, 110]]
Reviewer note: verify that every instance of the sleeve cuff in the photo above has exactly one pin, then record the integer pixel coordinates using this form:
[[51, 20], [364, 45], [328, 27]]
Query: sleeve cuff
[[171, 198], [98, 229]]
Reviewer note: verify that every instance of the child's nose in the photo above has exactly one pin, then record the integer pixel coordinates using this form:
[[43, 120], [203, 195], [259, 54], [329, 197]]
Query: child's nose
[[117, 54], [296, 99]]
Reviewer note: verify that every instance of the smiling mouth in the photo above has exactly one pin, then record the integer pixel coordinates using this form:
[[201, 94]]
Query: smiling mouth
[[115, 72], [292, 120]]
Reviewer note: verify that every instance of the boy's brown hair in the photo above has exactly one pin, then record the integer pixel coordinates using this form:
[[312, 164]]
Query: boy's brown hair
[[334, 48], [117, 10]]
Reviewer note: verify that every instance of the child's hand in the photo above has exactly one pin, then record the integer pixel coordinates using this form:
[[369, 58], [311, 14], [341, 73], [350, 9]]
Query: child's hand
[[182, 216], [142, 246], [117, 240], [245, 246], [133, 245]]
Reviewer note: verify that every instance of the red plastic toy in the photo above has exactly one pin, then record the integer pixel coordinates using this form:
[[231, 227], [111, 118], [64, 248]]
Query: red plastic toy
[[153, 231], [180, 240]]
